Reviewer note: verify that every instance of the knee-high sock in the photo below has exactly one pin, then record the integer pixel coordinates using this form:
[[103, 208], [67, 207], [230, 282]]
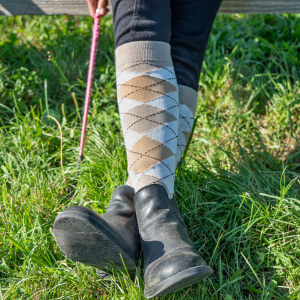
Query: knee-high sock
[[148, 105], [187, 108], [191, 23]]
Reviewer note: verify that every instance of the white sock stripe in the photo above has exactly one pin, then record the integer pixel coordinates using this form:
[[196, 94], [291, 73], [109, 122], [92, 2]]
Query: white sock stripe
[[120, 83], [155, 122], [163, 136], [165, 72], [161, 102], [131, 139], [129, 104], [185, 124], [170, 97], [121, 74]]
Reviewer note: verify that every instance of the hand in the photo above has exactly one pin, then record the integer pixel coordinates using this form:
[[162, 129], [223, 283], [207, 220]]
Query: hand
[[101, 5]]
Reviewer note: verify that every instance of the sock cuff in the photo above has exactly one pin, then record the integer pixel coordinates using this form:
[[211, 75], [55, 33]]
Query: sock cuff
[[143, 51], [188, 97]]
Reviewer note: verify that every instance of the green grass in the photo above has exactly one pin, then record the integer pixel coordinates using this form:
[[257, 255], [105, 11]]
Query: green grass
[[238, 187]]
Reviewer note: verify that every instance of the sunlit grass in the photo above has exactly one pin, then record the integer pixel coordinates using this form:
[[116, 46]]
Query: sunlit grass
[[238, 187]]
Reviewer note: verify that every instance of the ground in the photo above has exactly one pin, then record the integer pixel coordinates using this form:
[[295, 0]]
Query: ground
[[237, 187]]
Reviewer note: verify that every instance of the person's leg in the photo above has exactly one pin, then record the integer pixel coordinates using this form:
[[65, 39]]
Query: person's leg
[[147, 90], [192, 21], [148, 104], [149, 111]]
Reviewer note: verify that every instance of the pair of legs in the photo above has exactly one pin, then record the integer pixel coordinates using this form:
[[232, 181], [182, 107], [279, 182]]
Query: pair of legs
[[160, 46]]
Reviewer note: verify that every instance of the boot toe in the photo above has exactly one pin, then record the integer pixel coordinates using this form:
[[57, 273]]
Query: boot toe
[[170, 265], [173, 273]]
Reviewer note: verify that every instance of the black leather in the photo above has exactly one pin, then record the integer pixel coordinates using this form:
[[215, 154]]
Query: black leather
[[86, 237], [167, 248], [120, 215], [184, 24]]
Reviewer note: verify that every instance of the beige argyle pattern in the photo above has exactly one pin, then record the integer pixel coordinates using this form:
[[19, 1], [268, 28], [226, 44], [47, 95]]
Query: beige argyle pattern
[[187, 109], [149, 111]]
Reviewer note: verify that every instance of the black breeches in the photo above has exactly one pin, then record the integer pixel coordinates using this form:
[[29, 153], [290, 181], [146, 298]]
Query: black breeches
[[184, 24]]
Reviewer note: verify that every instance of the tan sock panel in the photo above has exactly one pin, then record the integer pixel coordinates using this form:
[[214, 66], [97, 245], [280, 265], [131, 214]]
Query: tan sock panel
[[149, 111], [187, 108]]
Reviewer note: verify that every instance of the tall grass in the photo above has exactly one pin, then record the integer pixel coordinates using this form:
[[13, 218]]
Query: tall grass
[[237, 188]]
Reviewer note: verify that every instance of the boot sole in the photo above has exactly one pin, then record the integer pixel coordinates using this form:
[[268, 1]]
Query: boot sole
[[179, 281], [95, 244]]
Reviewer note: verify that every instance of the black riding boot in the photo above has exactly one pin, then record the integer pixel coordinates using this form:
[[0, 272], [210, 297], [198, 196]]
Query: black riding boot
[[101, 241], [171, 262]]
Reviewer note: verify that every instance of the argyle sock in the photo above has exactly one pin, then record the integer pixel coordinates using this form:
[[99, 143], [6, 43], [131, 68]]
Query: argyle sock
[[149, 112], [187, 109]]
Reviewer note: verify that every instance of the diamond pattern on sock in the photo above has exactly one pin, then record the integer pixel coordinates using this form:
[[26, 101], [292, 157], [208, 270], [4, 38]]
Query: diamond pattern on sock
[[145, 153], [146, 180], [187, 108], [145, 88], [143, 67], [149, 111], [141, 118], [129, 104], [166, 136]]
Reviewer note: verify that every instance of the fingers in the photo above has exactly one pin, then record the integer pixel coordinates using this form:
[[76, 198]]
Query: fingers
[[102, 4], [92, 4]]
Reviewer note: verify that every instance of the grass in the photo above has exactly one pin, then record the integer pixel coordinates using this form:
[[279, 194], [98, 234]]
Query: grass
[[238, 187]]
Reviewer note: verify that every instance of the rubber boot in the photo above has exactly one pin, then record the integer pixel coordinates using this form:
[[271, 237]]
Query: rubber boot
[[171, 262], [109, 240]]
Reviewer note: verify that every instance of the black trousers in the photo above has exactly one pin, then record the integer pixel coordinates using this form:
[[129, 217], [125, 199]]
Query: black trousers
[[184, 24]]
